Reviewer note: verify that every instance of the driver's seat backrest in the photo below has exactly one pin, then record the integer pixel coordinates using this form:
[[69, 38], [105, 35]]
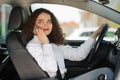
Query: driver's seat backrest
[[25, 65]]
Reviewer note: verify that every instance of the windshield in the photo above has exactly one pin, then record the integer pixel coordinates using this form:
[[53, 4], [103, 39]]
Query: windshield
[[76, 22]]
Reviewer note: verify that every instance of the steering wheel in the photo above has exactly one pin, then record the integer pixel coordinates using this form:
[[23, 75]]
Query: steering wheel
[[98, 42]]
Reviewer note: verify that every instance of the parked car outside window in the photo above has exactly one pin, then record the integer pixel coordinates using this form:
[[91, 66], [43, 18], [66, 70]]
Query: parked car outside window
[[84, 34]]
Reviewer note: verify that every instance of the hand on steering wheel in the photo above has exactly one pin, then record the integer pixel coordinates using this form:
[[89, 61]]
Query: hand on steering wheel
[[98, 42]]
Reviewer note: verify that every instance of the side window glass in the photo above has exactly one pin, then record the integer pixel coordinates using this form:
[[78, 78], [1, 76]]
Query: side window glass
[[5, 10], [77, 24]]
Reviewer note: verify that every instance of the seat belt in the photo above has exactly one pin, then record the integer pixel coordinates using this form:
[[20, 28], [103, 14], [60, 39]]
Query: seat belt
[[59, 76]]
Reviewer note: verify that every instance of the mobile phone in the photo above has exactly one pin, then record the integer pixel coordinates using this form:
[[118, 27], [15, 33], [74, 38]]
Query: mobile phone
[[34, 31]]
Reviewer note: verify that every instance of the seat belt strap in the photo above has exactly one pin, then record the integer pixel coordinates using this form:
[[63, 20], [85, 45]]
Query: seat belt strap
[[59, 76]]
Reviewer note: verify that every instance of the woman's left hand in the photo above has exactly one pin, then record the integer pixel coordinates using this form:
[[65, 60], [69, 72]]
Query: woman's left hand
[[97, 32], [41, 36]]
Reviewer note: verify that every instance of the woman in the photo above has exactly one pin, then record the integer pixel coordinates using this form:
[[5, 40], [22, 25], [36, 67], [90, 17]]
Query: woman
[[47, 45]]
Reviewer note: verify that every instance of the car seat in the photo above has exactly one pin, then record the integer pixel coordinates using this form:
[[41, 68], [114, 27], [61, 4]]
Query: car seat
[[25, 65]]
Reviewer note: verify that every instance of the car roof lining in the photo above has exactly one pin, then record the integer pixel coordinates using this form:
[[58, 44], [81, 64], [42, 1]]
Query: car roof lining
[[88, 5]]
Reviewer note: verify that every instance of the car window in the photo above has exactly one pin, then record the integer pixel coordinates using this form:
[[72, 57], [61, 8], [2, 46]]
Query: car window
[[5, 10], [74, 21]]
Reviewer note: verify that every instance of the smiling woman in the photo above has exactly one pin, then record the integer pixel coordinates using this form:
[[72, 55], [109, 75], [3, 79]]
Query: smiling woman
[[74, 16], [49, 49]]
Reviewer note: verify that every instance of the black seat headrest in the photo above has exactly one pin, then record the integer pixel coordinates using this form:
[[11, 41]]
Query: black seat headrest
[[17, 18]]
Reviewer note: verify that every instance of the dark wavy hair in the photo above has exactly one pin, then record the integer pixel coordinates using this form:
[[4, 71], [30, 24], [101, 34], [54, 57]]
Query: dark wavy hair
[[56, 36]]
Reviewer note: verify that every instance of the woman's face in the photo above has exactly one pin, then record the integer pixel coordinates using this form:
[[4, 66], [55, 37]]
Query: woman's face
[[44, 22]]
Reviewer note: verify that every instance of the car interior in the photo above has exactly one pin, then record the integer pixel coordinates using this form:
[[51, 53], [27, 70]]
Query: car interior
[[18, 64]]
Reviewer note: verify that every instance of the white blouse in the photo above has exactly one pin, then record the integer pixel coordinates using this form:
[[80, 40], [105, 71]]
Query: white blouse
[[49, 55]]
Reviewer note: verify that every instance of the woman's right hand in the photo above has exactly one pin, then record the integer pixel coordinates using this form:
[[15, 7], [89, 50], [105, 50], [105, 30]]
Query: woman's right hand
[[41, 35]]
